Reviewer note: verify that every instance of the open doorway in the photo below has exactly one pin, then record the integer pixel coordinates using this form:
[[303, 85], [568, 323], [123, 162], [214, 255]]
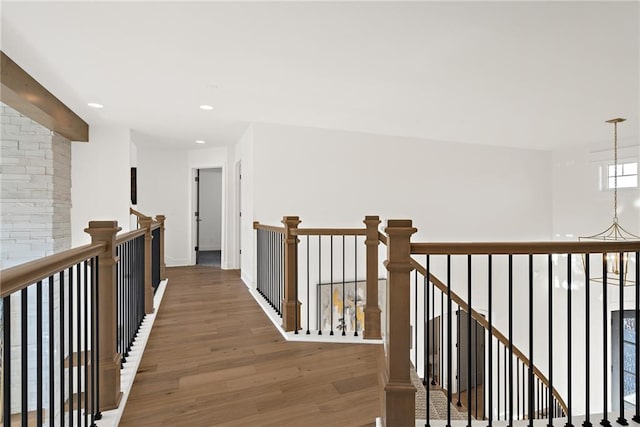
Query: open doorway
[[208, 217]]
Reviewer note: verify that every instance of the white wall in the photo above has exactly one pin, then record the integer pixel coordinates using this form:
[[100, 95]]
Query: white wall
[[100, 177], [166, 186], [163, 188], [451, 191], [210, 209]]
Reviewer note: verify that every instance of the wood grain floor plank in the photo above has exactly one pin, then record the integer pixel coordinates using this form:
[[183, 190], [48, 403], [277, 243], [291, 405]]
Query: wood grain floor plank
[[214, 359]]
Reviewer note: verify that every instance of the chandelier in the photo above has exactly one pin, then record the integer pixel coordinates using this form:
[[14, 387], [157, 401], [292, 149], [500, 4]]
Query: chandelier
[[615, 232]]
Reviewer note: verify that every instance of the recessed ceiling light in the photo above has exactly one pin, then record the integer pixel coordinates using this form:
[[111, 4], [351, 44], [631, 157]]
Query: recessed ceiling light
[[199, 141], [206, 107], [95, 105]]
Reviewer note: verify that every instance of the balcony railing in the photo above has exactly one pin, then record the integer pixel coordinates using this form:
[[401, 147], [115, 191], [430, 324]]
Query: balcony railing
[[507, 331], [68, 321]]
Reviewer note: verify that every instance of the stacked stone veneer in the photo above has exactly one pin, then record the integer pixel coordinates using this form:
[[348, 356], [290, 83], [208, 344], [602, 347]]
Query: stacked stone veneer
[[35, 221], [35, 182]]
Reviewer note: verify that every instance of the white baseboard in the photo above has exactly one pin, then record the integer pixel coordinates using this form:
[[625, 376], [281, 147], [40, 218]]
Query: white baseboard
[[248, 280]]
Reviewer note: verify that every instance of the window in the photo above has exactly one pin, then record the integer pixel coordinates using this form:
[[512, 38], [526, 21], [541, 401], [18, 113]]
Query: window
[[627, 175]]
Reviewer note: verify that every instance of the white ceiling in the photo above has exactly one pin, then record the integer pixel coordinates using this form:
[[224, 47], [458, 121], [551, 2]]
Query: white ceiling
[[522, 74]]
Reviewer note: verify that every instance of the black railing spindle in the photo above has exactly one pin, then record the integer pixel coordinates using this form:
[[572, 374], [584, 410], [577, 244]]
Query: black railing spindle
[[24, 365], [6, 359], [490, 310], [449, 342], [587, 296], [531, 376], [550, 333], [605, 342], [39, 354], [621, 419]]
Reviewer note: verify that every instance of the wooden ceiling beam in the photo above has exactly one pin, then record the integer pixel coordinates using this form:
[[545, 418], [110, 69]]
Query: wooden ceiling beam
[[23, 93]]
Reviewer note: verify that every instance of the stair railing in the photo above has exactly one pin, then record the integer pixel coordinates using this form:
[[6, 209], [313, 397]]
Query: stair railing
[[78, 311]]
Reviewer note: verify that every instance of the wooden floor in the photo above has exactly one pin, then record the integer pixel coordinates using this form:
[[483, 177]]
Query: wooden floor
[[215, 359]]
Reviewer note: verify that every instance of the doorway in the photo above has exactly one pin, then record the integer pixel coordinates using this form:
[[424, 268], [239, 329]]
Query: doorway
[[208, 217]]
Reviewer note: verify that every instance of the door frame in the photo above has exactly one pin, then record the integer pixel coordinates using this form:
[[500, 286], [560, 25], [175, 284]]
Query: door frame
[[192, 209]]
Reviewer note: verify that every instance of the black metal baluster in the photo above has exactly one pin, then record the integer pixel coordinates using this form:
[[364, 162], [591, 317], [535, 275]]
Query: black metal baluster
[[441, 352], [507, 392], [308, 297], [518, 389], [70, 347], [524, 390], [605, 388], [6, 359], [550, 333], [24, 372], [569, 385], [319, 285], [498, 377], [636, 416], [587, 286], [62, 344], [458, 403], [344, 293], [449, 341], [621, 419], [79, 340], [469, 351], [96, 281], [425, 382], [489, 304], [94, 352], [39, 351], [510, 342], [531, 377], [331, 280], [51, 331], [415, 321], [86, 343], [355, 302], [433, 326]]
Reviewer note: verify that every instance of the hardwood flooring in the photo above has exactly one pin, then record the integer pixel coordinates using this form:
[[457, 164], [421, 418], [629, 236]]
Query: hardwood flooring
[[214, 359]]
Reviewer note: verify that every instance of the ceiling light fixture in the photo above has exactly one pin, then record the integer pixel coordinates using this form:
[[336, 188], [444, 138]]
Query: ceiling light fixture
[[615, 232], [206, 107], [199, 141], [95, 105]]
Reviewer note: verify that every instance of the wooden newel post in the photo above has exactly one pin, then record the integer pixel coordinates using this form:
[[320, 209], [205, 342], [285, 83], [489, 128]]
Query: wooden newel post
[[108, 356], [163, 266], [372, 309], [145, 223], [290, 303], [399, 394]]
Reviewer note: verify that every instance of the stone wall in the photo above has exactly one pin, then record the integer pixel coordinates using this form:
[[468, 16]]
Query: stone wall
[[35, 190]]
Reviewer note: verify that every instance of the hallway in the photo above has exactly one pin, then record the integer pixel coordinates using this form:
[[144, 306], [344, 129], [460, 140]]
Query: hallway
[[213, 358]]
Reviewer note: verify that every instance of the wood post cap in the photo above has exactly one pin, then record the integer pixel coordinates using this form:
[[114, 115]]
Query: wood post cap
[[94, 225], [397, 223]]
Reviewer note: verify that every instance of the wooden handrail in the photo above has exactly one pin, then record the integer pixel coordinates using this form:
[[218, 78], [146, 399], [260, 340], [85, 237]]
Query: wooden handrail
[[313, 231], [155, 225], [382, 238], [330, 232], [485, 324], [125, 237], [137, 213], [16, 278], [275, 229], [523, 248]]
